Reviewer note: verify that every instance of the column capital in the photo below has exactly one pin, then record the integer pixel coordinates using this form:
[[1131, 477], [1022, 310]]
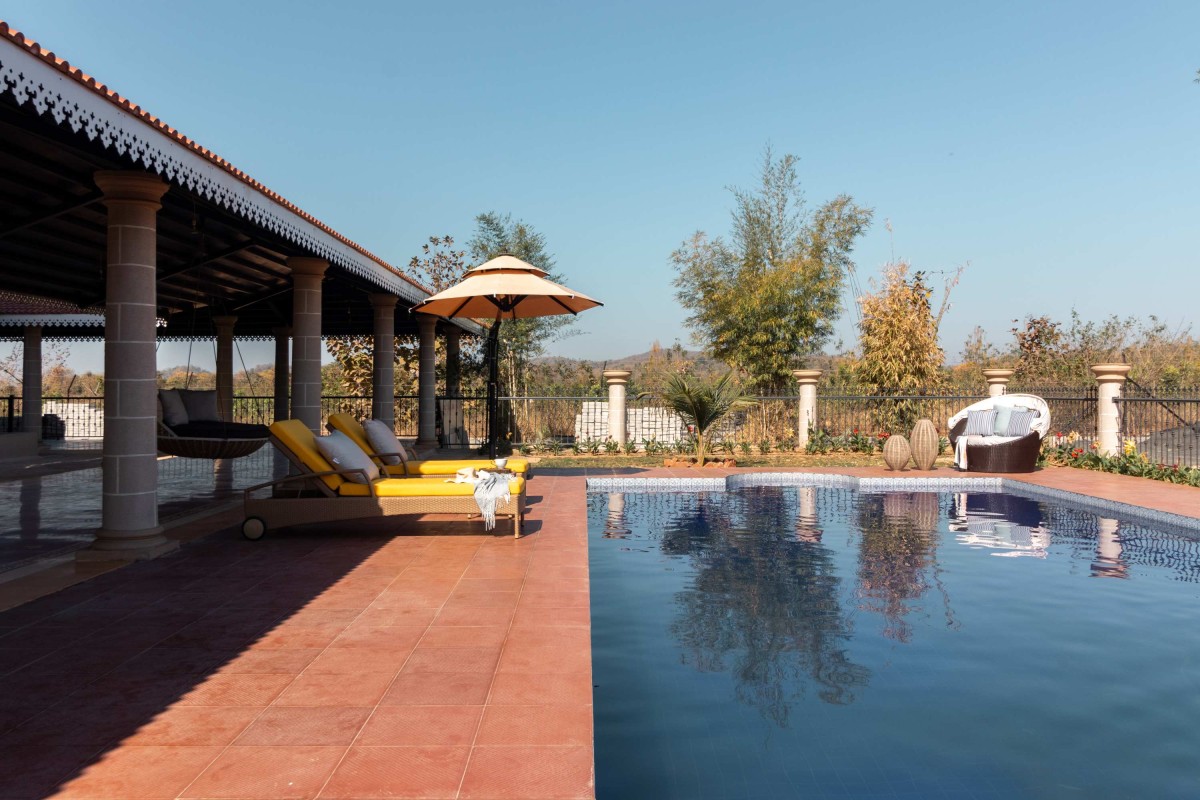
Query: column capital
[[224, 322], [306, 265], [616, 377], [131, 186], [1111, 373], [381, 300], [806, 377], [426, 322], [998, 375]]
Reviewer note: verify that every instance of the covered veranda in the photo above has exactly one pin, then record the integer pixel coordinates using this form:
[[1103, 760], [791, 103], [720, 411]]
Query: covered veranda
[[107, 212]]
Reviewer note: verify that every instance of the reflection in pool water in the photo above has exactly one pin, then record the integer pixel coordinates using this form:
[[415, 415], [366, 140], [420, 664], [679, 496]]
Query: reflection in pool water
[[791, 642]]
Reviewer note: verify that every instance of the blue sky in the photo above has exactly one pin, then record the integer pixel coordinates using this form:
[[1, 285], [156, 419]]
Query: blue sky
[[1053, 146]]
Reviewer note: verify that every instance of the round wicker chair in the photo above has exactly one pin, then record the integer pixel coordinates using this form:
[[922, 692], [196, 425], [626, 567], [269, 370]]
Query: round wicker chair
[[1018, 455]]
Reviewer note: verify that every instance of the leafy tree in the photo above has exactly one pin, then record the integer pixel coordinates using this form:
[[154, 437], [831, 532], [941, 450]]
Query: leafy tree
[[899, 343], [769, 296], [523, 339], [439, 266], [703, 404]]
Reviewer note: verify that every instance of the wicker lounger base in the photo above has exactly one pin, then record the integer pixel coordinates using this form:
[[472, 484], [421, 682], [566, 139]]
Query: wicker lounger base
[[263, 514], [1020, 455]]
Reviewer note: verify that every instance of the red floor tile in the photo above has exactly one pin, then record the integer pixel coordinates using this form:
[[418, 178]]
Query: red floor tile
[[266, 773], [536, 725], [421, 725], [529, 773], [532, 688], [195, 726], [139, 772], [305, 726], [398, 772], [453, 659], [237, 690], [318, 689], [439, 688]]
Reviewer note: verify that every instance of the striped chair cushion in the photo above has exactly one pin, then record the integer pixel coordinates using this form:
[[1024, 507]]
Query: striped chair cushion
[[1019, 423], [981, 422]]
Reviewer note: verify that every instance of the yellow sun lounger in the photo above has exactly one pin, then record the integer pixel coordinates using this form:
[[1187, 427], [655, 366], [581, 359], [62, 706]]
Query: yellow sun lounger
[[337, 498], [347, 424]]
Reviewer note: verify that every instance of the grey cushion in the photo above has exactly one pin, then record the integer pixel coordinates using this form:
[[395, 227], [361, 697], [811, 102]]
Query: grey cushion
[[173, 411], [201, 405], [341, 451], [383, 440], [1019, 423], [981, 422]]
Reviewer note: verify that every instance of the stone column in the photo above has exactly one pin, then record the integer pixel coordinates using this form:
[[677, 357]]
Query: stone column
[[1111, 378], [224, 326], [383, 364], [453, 360], [307, 274], [282, 373], [806, 411], [129, 525], [426, 382], [31, 381], [997, 380], [617, 380]]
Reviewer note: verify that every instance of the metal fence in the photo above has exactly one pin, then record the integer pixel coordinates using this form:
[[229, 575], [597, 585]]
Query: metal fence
[[1164, 424], [839, 413]]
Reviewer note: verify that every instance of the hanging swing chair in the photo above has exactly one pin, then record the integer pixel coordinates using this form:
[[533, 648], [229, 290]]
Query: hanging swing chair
[[207, 436]]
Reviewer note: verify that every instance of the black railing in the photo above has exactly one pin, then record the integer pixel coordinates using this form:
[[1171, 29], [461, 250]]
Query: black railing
[[1163, 424]]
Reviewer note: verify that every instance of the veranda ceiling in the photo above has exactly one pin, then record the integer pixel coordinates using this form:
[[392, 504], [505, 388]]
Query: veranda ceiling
[[223, 238]]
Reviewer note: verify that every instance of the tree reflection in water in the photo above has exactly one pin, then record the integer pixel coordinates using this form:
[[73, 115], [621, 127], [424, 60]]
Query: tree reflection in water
[[763, 606], [897, 558]]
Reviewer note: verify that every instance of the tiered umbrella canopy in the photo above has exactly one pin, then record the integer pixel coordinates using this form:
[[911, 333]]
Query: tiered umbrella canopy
[[504, 288]]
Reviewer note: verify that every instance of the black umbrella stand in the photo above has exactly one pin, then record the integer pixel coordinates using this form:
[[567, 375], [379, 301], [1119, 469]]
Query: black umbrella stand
[[493, 387]]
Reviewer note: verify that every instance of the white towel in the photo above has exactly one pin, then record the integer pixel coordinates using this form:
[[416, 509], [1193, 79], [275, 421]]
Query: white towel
[[490, 489]]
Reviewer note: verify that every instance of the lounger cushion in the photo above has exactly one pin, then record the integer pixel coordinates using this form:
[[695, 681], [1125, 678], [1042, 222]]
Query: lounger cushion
[[201, 405], [173, 411], [344, 454], [440, 467], [423, 487], [383, 440]]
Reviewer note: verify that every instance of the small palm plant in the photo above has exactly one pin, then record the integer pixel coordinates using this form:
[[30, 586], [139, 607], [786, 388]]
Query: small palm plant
[[703, 404]]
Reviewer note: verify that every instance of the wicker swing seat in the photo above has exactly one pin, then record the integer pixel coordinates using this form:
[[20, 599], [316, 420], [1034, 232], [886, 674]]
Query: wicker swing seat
[[211, 440]]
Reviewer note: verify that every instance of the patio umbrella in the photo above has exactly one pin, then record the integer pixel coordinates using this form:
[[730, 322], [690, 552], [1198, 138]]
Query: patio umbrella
[[504, 288]]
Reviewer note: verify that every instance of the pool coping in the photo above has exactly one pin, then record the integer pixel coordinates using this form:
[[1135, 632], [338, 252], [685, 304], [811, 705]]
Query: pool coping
[[1135, 513]]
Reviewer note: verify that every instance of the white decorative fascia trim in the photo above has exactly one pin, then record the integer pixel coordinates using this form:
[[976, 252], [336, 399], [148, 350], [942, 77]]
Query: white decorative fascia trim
[[52, 93], [52, 320]]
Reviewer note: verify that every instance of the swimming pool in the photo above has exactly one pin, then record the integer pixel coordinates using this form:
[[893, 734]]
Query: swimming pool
[[822, 642]]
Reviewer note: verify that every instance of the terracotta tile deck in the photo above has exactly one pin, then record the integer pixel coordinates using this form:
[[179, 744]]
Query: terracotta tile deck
[[344, 663]]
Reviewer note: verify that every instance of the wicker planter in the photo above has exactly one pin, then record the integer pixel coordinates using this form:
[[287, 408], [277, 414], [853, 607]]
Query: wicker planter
[[925, 444], [896, 452]]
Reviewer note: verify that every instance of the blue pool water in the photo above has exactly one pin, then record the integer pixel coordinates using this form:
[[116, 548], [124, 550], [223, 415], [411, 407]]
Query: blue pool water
[[783, 642]]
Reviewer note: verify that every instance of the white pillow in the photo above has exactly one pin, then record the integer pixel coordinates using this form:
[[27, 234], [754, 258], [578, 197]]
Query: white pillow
[[201, 405], [341, 451], [173, 411], [383, 440]]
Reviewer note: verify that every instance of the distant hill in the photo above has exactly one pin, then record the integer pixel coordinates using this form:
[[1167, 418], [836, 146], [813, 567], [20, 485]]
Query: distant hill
[[698, 356]]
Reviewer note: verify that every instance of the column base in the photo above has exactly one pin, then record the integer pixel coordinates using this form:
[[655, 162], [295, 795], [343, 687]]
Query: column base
[[122, 546]]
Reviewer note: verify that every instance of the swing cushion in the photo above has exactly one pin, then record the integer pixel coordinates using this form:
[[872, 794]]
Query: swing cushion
[[201, 405], [173, 411], [219, 430]]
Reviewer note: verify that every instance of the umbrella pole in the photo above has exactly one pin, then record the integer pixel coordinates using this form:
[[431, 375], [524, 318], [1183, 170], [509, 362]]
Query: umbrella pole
[[493, 386]]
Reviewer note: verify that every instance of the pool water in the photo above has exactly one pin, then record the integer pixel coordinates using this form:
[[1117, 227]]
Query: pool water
[[782, 642]]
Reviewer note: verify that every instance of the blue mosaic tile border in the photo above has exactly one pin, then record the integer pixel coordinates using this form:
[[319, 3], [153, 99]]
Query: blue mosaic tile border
[[1147, 516]]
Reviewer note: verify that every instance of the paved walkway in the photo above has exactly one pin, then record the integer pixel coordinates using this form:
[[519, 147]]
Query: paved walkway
[[343, 662]]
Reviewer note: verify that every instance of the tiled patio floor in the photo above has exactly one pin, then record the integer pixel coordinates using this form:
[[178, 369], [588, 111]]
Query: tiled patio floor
[[345, 662], [354, 665]]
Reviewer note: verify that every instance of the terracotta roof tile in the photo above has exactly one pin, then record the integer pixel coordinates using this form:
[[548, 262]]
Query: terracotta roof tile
[[79, 75]]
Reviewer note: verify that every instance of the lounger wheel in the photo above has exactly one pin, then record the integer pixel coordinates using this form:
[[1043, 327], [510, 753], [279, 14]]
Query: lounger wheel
[[254, 528]]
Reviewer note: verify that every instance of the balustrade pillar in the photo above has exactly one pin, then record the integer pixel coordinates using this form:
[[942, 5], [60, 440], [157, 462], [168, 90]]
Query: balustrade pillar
[[806, 409], [997, 380], [1111, 378], [617, 380]]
